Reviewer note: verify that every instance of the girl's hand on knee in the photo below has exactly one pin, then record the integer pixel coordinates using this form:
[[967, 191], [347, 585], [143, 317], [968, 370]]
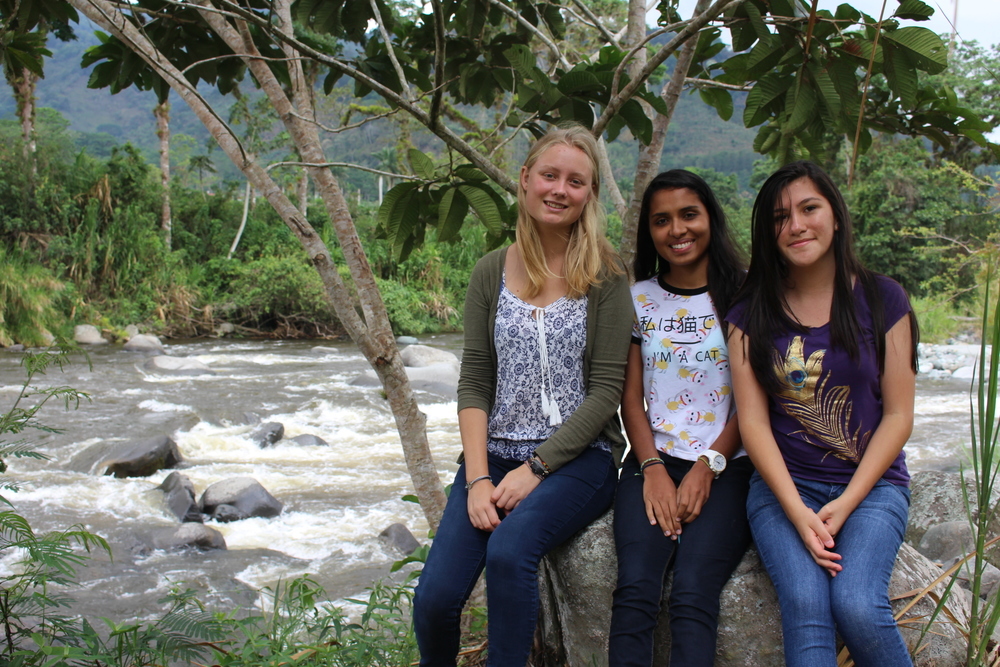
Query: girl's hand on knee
[[660, 497], [693, 492], [834, 514], [514, 488], [482, 510], [817, 540]]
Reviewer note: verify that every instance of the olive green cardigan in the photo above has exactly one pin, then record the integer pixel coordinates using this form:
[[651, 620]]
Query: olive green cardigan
[[609, 331]]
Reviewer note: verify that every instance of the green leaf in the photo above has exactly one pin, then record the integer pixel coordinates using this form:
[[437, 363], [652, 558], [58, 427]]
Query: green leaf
[[484, 206], [522, 60], [575, 82], [451, 214], [827, 91], [803, 103], [638, 122], [914, 10], [926, 49], [422, 165], [720, 99], [901, 75], [467, 172], [408, 217], [390, 212], [765, 55], [760, 97]]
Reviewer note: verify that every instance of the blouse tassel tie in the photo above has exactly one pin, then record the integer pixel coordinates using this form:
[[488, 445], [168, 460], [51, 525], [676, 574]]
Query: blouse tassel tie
[[550, 408]]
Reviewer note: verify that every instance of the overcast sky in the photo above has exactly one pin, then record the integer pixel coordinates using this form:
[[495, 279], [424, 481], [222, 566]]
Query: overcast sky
[[977, 19]]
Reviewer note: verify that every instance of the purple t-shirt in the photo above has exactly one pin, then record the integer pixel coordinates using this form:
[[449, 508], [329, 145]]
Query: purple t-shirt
[[830, 404]]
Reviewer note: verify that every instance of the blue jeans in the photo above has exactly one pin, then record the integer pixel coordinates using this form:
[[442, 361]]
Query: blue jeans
[[709, 549], [566, 501], [855, 603]]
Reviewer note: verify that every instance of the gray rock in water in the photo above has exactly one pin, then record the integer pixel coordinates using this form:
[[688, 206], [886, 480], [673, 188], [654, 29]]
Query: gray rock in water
[[964, 373], [267, 434], [144, 458], [418, 356], [308, 440], [179, 495], [225, 328], [190, 536], [227, 514], [144, 343], [947, 541], [131, 331], [406, 340], [400, 538], [248, 419], [244, 493], [88, 334], [576, 582], [177, 366], [16, 347], [440, 379]]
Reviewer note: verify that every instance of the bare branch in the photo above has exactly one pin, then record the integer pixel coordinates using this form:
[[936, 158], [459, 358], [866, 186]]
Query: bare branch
[[438, 60], [596, 22], [391, 51], [608, 178], [692, 28], [711, 83], [347, 165]]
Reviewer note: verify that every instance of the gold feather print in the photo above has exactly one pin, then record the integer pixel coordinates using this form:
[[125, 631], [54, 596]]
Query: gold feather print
[[824, 413]]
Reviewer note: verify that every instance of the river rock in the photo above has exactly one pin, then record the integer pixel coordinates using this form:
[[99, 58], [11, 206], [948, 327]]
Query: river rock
[[964, 373], [406, 340], [225, 328], [16, 347], [88, 334], [144, 343], [179, 495], [131, 331], [418, 356], [248, 419], [936, 497], [190, 535], [947, 541], [227, 513], [245, 494], [440, 379], [144, 458], [309, 440], [177, 366], [576, 582], [400, 538], [267, 434]]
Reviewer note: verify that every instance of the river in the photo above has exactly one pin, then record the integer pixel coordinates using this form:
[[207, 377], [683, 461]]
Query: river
[[337, 498]]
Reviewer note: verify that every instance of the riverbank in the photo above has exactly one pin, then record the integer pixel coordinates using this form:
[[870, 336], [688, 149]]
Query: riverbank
[[959, 360]]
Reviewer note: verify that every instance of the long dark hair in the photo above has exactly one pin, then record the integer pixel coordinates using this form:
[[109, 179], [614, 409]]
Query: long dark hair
[[763, 291], [725, 262]]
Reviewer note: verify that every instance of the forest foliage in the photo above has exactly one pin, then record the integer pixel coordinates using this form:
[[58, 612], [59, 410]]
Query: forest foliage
[[80, 242]]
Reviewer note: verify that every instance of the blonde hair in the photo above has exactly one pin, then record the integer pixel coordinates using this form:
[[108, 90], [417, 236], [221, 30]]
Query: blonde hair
[[589, 254]]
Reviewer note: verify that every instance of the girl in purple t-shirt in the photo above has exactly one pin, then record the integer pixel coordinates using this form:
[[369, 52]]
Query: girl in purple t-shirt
[[823, 356]]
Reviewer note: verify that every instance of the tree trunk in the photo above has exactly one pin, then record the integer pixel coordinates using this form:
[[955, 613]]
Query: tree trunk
[[24, 92], [162, 113], [648, 164], [372, 334]]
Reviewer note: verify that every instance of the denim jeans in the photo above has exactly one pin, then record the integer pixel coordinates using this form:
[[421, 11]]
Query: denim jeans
[[709, 549], [565, 502], [855, 603]]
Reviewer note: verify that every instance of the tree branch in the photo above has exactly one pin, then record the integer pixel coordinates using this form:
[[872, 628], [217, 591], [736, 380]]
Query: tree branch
[[611, 39], [692, 28], [538, 33], [347, 165], [391, 51]]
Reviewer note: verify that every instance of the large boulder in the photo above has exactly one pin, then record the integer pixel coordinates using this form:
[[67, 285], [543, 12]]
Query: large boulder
[[178, 492], [399, 537], [418, 356], [88, 334], [440, 379], [937, 498], [144, 343], [177, 366], [144, 458], [245, 494], [189, 536], [577, 580], [309, 440]]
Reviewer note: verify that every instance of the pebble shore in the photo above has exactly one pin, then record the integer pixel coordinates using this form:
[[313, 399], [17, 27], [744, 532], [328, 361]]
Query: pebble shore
[[957, 360]]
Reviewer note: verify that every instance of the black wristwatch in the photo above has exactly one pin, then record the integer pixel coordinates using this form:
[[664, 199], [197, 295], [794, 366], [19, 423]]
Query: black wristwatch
[[538, 467]]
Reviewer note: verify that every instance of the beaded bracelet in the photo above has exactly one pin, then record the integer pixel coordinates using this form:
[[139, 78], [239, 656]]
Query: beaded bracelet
[[650, 462], [468, 485]]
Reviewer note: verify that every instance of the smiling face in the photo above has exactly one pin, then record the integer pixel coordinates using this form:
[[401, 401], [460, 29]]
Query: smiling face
[[682, 231], [557, 186], [804, 225]]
